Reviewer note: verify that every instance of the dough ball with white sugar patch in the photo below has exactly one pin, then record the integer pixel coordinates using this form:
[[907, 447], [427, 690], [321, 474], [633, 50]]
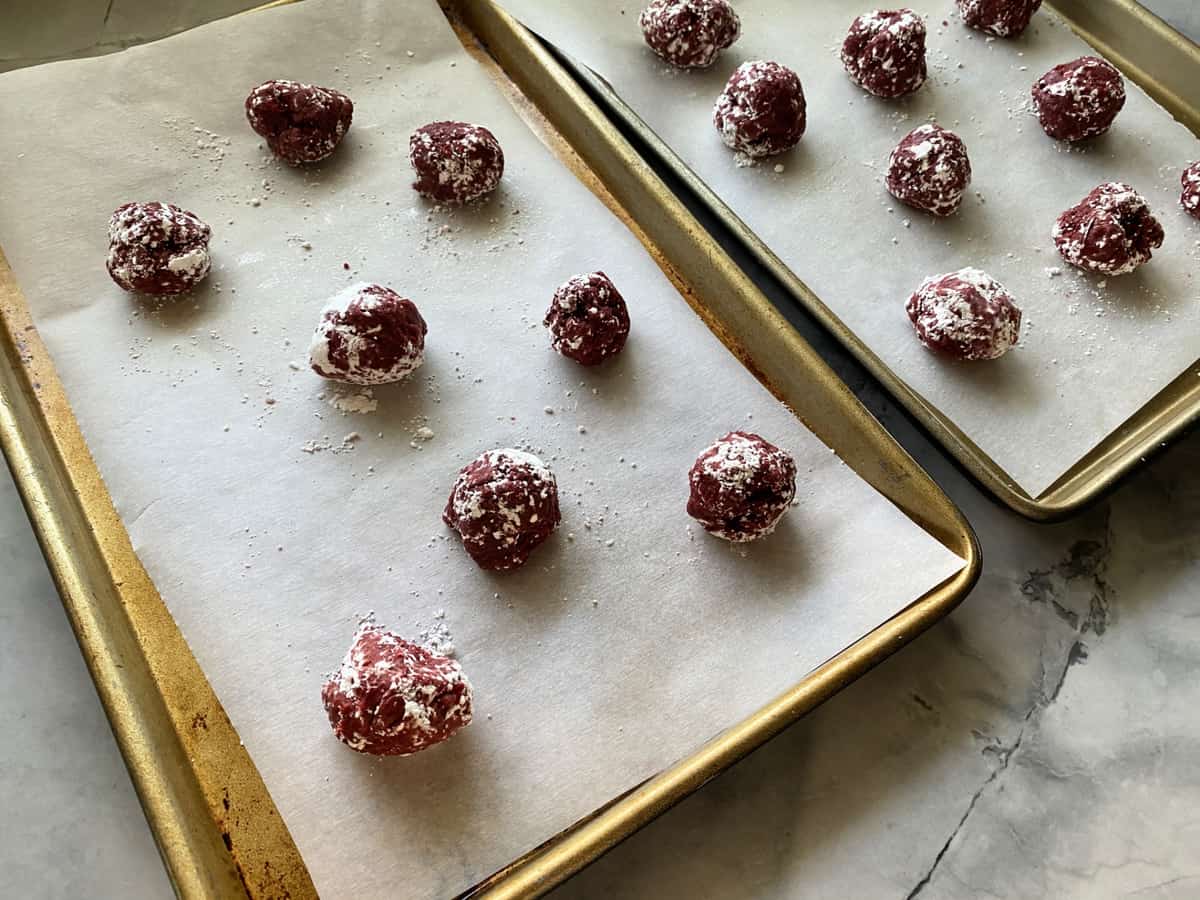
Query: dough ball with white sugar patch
[[689, 34], [762, 111], [965, 315], [930, 170], [884, 52], [391, 697], [368, 334], [1002, 18], [1189, 197], [455, 162], [157, 248], [741, 486], [588, 319], [302, 123], [1079, 99], [503, 505], [1111, 231]]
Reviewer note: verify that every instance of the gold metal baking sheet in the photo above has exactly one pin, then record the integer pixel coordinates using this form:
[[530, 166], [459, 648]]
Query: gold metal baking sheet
[[1167, 66], [219, 833]]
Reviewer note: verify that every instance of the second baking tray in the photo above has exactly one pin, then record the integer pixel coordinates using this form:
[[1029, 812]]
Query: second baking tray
[[214, 822], [1167, 66]]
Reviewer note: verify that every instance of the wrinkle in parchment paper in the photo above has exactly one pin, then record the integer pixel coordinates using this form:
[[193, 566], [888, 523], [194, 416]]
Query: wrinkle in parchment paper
[[1093, 351], [271, 515]]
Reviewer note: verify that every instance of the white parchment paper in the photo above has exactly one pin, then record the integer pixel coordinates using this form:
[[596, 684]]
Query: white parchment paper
[[1092, 351], [270, 528]]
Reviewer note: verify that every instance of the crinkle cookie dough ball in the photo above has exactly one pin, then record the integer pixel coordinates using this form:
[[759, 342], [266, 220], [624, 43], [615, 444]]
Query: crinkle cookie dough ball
[[1189, 199], [1079, 99], [884, 52], [741, 486], [929, 169], [368, 334], [762, 111], [302, 123], [157, 248], [1003, 18], [689, 33], [588, 319], [503, 505], [455, 162], [391, 697], [966, 315], [1111, 231]]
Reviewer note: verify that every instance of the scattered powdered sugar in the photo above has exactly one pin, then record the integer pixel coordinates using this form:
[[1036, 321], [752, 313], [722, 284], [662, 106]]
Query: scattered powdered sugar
[[436, 637], [324, 443], [361, 402]]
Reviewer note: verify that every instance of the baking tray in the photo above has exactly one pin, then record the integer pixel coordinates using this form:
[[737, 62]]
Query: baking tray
[[1167, 66], [215, 824]]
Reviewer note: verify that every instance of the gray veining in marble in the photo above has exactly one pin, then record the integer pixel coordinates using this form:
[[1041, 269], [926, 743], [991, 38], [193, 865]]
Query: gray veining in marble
[[1044, 741]]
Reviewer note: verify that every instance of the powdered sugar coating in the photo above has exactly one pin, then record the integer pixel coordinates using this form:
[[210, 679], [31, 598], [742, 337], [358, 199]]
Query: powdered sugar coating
[[503, 504], [1111, 231], [689, 33], [929, 169], [965, 314], [588, 319], [884, 52], [157, 248], [302, 123], [455, 162], [1003, 18], [1079, 99], [762, 111], [391, 697], [368, 334], [1189, 198], [741, 486]]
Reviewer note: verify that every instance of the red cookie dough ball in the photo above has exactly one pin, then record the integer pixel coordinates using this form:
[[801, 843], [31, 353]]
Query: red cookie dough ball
[[966, 315], [455, 162], [588, 320], [368, 334], [157, 248], [1079, 99], [884, 52], [762, 110], [1003, 18], [930, 170], [1110, 231], [741, 486], [391, 697], [302, 123], [1189, 199], [689, 33], [503, 505]]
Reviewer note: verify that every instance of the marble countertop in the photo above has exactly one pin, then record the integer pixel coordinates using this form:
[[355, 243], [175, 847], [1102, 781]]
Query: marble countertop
[[1042, 741]]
